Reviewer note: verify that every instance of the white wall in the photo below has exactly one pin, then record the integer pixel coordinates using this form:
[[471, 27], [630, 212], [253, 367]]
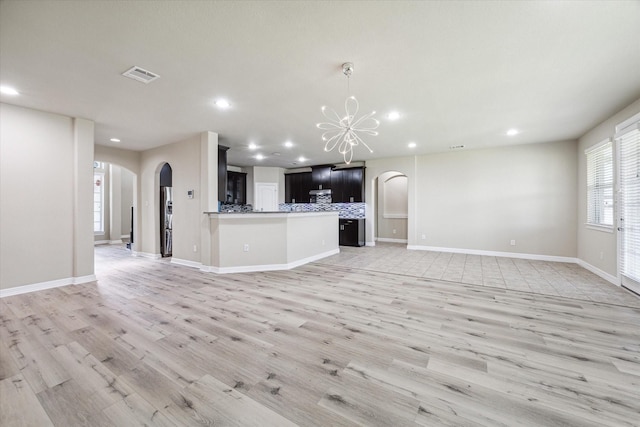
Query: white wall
[[483, 199], [592, 243], [194, 167], [46, 194]]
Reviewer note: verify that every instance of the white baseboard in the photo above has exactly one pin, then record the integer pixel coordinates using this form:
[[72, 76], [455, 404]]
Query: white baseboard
[[146, 255], [370, 243], [101, 242], [517, 255], [267, 267], [125, 236], [115, 242], [595, 270], [186, 262], [385, 239], [34, 287], [84, 279]]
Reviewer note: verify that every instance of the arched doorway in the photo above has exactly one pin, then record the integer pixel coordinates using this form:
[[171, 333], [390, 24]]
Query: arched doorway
[[166, 210], [114, 209], [113, 203], [391, 208]]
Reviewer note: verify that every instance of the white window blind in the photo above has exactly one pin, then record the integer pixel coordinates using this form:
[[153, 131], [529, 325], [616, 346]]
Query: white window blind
[[629, 201], [600, 185]]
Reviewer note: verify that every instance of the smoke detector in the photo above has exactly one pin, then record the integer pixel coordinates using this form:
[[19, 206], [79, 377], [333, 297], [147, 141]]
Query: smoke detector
[[140, 74]]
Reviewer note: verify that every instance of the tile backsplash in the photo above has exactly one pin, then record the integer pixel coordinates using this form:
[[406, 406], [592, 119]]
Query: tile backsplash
[[233, 207], [345, 210]]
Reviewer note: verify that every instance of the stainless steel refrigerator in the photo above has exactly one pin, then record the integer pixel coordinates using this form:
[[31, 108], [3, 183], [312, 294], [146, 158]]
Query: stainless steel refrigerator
[[166, 220]]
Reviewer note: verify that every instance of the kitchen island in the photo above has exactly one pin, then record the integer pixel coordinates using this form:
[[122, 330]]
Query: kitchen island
[[262, 241]]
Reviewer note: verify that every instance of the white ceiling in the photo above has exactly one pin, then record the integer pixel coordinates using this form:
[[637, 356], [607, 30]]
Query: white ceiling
[[458, 72]]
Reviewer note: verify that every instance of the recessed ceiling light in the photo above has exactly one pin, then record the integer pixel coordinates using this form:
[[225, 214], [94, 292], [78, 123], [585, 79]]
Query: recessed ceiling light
[[259, 157], [252, 146], [302, 159], [512, 132], [288, 144], [222, 103], [456, 147], [9, 91], [114, 140], [394, 115], [412, 145]]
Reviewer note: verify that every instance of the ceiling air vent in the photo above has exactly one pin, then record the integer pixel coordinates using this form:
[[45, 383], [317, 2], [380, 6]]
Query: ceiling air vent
[[140, 74], [456, 147]]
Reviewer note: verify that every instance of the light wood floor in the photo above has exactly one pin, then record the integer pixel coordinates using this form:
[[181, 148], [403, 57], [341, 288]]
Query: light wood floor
[[326, 344]]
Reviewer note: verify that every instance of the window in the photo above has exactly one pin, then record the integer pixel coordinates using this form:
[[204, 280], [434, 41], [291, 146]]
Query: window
[[628, 144], [600, 185], [98, 201]]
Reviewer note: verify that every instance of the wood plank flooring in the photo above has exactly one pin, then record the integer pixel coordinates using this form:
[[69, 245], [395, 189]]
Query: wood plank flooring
[[157, 344]]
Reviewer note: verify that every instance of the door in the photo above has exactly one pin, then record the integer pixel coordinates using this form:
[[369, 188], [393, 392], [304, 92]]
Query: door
[[628, 142], [266, 197]]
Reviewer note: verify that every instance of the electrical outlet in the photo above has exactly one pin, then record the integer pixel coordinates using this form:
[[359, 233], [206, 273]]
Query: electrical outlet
[[601, 255], [424, 237], [394, 231], [246, 247], [195, 248], [513, 242], [322, 242]]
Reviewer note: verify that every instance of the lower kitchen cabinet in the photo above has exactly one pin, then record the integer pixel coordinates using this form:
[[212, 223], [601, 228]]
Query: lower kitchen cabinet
[[351, 232]]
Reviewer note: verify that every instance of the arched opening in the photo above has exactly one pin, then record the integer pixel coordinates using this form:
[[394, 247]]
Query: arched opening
[[166, 210], [391, 207], [114, 207]]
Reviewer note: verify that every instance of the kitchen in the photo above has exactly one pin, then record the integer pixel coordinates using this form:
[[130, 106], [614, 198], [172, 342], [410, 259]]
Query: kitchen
[[323, 207]]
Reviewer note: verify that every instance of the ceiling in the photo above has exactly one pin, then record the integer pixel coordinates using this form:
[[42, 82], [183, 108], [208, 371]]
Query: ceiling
[[459, 73]]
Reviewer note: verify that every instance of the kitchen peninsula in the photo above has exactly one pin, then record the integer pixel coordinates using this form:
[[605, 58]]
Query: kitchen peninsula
[[261, 241]]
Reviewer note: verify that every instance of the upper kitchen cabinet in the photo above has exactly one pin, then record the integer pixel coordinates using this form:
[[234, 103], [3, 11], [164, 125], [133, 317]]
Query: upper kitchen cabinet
[[236, 188], [347, 185], [297, 187], [321, 177], [222, 173]]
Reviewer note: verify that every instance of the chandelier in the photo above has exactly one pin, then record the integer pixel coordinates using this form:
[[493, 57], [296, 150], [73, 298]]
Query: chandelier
[[343, 131]]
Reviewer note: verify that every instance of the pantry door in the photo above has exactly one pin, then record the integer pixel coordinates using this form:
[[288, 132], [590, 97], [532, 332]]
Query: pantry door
[[266, 197]]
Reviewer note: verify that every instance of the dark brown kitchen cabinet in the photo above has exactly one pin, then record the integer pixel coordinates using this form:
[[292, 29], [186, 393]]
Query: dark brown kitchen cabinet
[[347, 185], [236, 188], [337, 186], [321, 177], [222, 172], [297, 187], [351, 232]]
